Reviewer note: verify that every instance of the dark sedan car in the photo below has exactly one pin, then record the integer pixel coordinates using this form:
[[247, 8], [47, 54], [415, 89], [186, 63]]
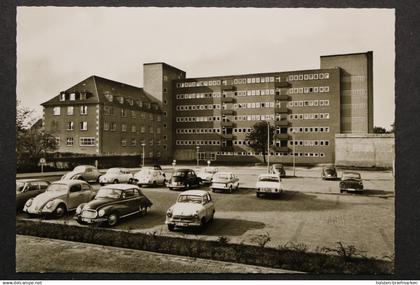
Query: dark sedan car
[[28, 188], [351, 181], [278, 169], [329, 172], [184, 179], [112, 203]]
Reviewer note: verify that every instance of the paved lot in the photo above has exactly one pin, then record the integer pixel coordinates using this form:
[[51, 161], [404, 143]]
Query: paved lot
[[35, 254], [310, 211]]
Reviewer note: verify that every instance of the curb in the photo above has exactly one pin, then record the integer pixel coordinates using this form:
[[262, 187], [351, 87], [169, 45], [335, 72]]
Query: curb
[[296, 259]]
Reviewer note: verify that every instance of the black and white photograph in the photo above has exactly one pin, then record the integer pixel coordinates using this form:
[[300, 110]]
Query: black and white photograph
[[205, 140]]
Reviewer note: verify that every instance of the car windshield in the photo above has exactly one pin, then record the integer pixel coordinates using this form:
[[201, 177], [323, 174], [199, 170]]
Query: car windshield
[[57, 187], [79, 169], [329, 170], [147, 171], [189, 199], [268, 178], [108, 193], [278, 166], [19, 186], [221, 176], [179, 173], [113, 171], [351, 176]]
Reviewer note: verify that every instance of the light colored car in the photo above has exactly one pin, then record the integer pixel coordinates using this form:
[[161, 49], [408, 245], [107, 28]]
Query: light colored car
[[116, 175], [278, 169], [206, 174], [225, 181], [60, 197], [150, 176], [268, 184], [83, 172], [193, 208]]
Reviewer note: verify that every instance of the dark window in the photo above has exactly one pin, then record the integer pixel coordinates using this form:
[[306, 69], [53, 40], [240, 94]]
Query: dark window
[[75, 188]]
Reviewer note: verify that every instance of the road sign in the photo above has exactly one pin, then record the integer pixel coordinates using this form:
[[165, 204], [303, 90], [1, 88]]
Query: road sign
[[42, 160]]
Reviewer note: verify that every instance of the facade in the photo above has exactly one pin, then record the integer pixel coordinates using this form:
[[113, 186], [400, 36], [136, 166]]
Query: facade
[[182, 118], [101, 117]]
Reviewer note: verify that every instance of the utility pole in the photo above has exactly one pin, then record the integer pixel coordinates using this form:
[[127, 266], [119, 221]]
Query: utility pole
[[268, 147], [143, 145]]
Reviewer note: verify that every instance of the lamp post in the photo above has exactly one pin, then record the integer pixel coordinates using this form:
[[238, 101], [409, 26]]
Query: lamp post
[[268, 147], [143, 145], [198, 149], [294, 154]]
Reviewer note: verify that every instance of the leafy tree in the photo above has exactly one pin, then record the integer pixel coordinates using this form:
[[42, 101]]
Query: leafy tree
[[258, 137], [31, 143], [379, 130]]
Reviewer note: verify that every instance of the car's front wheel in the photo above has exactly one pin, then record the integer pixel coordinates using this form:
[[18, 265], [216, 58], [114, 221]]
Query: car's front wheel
[[60, 211], [112, 219], [171, 227], [143, 210], [130, 181], [115, 181]]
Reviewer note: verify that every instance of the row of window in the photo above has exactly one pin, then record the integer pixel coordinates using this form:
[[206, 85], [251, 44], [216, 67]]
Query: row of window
[[297, 154], [73, 96], [83, 110], [83, 126], [111, 126], [198, 142], [308, 103], [199, 131], [248, 130], [83, 141], [254, 117], [304, 90], [309, 142], [130, 101], [310, 76], [109, 111], [310, 116], [254, 80]]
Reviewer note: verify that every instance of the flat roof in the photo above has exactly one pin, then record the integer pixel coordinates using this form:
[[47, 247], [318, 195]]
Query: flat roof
[[347, 54], [163, 63]]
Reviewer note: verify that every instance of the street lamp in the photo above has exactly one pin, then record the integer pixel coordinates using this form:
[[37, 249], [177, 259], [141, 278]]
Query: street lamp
[[198, 149], [143, 145], [268, 147], [294, 154]]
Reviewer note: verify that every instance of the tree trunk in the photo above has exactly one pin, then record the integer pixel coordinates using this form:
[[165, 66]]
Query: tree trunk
[[263, 152]]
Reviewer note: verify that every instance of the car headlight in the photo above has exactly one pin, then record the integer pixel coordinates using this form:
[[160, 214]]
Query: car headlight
[[29, 203], [49, 204], [169, 213], [101, 213]]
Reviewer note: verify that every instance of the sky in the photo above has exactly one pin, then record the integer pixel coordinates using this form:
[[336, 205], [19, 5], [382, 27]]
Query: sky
[[58, 47]]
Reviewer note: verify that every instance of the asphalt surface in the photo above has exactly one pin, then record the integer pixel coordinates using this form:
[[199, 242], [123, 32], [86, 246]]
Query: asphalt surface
[[35, 254], [310, 211]]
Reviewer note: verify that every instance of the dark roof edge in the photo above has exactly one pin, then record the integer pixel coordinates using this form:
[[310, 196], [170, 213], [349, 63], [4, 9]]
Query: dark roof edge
[[163, 63], [346, 54]]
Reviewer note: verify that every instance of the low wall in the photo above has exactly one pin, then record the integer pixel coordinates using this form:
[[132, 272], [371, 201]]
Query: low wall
[[365, 150], [291, 258]]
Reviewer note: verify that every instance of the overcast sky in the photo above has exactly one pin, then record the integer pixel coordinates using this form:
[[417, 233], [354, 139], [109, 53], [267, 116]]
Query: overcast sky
[[58, 47]]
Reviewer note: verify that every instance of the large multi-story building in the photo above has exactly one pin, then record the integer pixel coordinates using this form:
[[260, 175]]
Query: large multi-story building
[[179, 118]]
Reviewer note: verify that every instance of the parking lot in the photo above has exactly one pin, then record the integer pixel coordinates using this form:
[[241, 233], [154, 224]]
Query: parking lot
[[309, 211]]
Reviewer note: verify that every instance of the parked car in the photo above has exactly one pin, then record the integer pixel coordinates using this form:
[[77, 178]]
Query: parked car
[[225, 181], [278, 169], [116, 175], [351, 181], [154, 166], [112, 203], [193, 208], [150, 176], [60, 197], [184, 179], [83, 172], [268, 184], [206, 174], [28, 188], [329, 172]]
